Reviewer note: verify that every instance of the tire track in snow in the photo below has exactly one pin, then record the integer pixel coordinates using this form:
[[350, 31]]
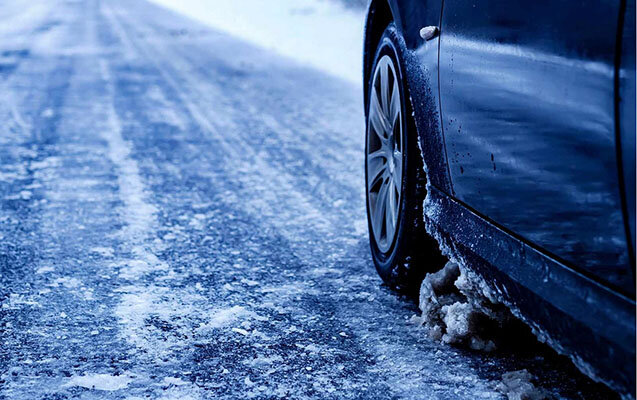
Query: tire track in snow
[[255, 198], [255, 268], [252, 164], [144, 294]]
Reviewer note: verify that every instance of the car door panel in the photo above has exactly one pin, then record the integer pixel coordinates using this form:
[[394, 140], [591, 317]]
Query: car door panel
[[527, 104], [626, 118]]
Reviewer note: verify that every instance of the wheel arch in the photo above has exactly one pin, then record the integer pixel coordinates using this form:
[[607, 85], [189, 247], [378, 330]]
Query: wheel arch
[[380, 13], [421, 79]]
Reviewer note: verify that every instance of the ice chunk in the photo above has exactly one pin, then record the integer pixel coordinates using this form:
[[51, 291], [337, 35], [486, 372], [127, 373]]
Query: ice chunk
[[227, 316], [100, 381], [518, 385]]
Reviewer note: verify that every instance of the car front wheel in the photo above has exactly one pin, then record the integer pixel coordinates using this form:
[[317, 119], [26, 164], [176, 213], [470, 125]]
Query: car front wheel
[[401, 249]]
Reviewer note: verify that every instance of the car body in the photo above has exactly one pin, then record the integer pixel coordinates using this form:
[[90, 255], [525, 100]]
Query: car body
[[525, 116]]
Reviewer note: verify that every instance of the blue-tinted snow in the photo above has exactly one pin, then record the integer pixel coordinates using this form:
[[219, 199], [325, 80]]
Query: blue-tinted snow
[[182, 217]]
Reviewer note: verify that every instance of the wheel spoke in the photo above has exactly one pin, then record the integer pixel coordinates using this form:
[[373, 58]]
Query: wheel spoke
[[384, 89], [379, 211], [394, 107], [397, 183], [390, 211], [377, 154], [376, 117], [398, 170], [376, 169]]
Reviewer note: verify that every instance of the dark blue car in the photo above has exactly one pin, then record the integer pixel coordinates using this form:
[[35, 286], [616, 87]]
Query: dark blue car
[[514, 123]]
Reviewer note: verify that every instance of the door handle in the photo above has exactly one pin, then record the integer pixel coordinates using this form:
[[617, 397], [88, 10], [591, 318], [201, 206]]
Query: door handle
[[429, 32]]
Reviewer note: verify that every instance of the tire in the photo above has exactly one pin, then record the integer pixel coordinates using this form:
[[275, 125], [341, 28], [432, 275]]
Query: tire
[[404, 254]]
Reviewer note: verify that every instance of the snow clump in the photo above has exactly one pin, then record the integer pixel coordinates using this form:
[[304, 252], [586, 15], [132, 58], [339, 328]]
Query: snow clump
[[100, 382], [518, 385], [457, 308]]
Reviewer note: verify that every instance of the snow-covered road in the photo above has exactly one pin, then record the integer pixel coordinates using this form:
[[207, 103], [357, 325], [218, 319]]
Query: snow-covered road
[[182, 217]]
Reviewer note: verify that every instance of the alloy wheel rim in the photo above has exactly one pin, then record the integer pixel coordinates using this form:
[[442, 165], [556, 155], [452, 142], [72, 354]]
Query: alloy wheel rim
[[384, 161]]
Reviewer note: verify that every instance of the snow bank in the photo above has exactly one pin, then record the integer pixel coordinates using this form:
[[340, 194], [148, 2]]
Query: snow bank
[[322, 34]]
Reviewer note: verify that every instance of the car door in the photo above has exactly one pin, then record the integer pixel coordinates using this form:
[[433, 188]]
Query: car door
[[527, 109]]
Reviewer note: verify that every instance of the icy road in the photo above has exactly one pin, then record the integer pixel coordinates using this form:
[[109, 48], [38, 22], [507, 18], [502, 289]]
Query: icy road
[[182, 217]]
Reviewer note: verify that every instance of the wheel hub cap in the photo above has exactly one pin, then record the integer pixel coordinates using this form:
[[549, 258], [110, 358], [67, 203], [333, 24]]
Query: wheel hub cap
[[384, 161]]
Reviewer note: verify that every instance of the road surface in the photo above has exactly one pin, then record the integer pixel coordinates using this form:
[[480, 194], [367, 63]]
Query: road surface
[[182, 216]]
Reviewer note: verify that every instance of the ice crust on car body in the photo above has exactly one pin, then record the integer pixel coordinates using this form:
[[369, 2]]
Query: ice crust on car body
[[468, 278]]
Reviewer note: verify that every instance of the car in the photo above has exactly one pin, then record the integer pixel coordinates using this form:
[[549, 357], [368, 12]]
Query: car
[[502, 133]]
